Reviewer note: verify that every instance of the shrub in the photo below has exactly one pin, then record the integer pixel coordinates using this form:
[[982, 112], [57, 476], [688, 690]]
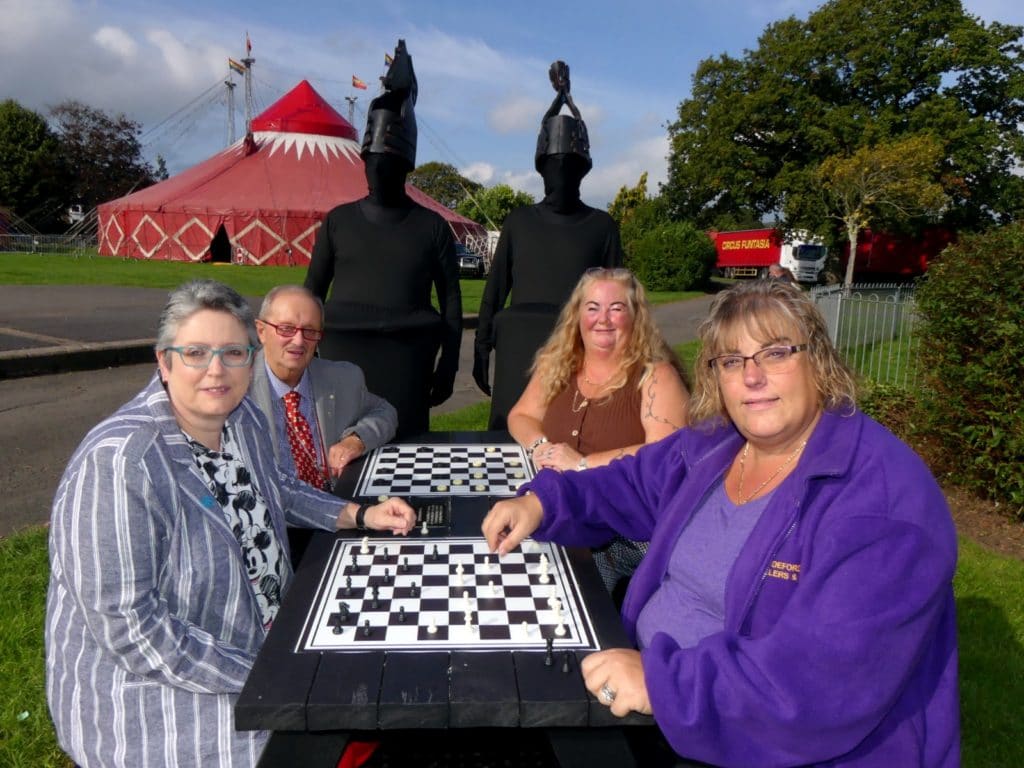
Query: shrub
[[972, 305], [674, 256]]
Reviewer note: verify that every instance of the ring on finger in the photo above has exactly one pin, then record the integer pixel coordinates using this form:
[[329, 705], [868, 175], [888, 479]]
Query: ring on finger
[[607, 693]]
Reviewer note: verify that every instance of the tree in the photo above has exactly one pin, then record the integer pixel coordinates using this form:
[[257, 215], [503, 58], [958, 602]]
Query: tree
[[102, 153], [895, 181], [627, 199], [491, 206], [443, 183], [160, 173], [30, 181], [856, 73]]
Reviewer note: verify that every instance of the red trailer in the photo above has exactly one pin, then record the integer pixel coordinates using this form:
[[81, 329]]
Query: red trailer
[[749, 253], [892, 255]]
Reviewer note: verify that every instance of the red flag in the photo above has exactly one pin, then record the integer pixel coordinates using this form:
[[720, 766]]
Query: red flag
[[357, 83], [248, 43]]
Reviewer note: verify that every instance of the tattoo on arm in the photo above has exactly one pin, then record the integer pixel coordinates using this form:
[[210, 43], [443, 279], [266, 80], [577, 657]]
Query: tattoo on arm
[[649, 400]]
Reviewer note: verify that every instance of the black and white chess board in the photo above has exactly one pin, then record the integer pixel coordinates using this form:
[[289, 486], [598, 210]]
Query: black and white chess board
[[425, 588], [444, 470]]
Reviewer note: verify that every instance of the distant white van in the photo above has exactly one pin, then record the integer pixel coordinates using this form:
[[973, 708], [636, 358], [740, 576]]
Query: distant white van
[[75, 213]]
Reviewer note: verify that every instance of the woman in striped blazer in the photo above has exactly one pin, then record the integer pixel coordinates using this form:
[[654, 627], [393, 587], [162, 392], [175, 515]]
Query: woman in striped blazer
[[169, 556]]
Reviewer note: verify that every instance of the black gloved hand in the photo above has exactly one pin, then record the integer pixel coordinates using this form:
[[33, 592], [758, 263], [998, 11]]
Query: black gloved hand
[[441, 387], [481, 368]]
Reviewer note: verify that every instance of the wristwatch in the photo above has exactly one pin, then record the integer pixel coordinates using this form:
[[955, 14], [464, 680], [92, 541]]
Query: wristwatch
[[361, 516]]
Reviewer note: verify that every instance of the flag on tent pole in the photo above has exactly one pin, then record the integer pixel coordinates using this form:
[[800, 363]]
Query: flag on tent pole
[[357, 83], [236, 66], [388, 59]]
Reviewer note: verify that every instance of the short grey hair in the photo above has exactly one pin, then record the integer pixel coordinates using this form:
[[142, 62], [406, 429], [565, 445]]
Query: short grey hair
[[277, 290], [195, 296]]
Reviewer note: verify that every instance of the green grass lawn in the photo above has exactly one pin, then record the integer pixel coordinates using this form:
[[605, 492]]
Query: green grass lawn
[[90, 269], [989, 593]]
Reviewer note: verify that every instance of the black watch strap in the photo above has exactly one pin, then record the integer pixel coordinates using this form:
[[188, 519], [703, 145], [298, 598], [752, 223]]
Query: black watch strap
[[361, 516]]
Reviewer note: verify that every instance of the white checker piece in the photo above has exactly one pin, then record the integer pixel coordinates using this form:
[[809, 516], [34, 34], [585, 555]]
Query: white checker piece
[[518, 595], [430, 469]]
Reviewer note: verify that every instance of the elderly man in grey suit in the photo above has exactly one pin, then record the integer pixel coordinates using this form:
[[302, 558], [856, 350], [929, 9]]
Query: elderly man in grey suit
[[322, 415]]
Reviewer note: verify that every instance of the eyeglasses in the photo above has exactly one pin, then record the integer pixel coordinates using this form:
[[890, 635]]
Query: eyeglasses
[[287, 330], [200, 355], [770, 360]]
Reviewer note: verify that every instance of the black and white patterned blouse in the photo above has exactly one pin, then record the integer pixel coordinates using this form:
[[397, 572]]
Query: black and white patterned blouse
[[248, 518]]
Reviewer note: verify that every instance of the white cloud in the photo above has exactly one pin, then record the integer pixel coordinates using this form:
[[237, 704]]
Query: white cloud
[[116, 41], [482, 173], [516, 114]]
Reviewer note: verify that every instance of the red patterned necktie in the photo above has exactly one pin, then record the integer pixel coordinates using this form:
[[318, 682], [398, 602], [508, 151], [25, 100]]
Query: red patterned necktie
[[300, 437]]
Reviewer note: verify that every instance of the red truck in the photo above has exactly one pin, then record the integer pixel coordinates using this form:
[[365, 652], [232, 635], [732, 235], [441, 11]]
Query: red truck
[[749, 253], [887, 254]]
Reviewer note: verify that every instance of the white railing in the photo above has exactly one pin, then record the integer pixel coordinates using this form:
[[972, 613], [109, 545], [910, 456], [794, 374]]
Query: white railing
[[874, 328]]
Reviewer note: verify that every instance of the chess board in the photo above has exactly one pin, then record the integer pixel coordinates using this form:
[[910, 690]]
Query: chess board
[[417, 591], [444, 470]]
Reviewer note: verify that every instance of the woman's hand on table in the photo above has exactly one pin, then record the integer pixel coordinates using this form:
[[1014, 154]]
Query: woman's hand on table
[[616, 678], [393, 515], [557, 456]]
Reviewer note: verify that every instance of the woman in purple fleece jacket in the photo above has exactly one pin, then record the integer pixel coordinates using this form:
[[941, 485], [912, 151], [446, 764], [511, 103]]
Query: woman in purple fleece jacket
[[795, 606]]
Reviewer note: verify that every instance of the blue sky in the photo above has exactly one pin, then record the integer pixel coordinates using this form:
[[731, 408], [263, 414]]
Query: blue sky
[[482, 68]]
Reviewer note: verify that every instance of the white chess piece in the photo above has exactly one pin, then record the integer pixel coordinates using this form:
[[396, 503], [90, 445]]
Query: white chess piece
[[493, 586], [526, 629], [432, 629], [424, 530], [364, 548]]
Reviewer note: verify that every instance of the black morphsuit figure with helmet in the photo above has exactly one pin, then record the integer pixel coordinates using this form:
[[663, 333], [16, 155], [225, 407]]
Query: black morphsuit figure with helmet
[[542, 251], [380, 256]]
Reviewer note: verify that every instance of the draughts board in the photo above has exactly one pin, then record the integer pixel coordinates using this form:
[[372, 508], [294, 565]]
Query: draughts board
[[444, 470], [408, 576]]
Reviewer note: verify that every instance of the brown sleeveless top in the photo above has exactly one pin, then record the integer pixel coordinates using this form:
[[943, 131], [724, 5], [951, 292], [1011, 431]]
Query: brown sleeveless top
[[601, 425]]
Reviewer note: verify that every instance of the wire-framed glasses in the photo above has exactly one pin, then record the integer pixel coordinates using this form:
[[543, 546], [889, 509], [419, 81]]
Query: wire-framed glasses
[[200, 355], [769, 359], [287, 330]]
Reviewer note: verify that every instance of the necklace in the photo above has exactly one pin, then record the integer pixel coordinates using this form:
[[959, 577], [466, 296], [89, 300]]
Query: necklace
[[579, 404], [595, 383], [772, 476]]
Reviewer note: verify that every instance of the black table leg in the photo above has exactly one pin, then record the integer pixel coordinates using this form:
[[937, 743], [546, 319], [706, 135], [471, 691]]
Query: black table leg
[[591, 748]]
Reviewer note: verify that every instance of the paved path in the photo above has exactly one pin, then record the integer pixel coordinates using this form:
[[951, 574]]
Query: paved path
[[105, 332]]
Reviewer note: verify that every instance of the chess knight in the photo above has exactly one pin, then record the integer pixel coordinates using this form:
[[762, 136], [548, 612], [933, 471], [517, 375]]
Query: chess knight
[[542, 251], [380, 257]]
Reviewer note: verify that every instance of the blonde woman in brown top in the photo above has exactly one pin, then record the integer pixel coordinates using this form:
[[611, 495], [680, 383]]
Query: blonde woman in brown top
[[605, 384]]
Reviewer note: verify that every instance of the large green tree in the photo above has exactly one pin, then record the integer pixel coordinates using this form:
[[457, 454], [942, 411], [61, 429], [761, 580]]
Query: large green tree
[[749, 141], [102, 153], [444, 183], [492, 205], [895, 181], [30, 179]]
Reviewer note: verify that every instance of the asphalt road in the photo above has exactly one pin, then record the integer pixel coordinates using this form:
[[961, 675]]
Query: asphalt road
[[43, 418]]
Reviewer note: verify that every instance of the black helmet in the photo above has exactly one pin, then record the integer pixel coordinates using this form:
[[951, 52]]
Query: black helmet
[[391, 122], [562, 134]]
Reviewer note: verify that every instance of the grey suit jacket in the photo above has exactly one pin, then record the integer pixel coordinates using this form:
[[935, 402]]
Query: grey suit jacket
[[343, 404]]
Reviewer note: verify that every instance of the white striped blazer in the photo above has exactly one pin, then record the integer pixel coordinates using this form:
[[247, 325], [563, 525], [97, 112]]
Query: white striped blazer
[[151, 625]]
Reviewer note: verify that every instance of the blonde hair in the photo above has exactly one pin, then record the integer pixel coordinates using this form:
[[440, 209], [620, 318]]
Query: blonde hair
[[768, 310], [561, 357]]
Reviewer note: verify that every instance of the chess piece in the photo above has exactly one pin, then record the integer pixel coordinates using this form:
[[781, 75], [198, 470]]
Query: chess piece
[[541, 254], [364, 548], [565, 662], [348, 586], [401, 615], [424, 530], [389, 327], [549, 657], [405, 565], [366, 628], [387, 575], [432, 629], [355, 562], [434, 555], [373, 603], [414, 590], [343, 610]]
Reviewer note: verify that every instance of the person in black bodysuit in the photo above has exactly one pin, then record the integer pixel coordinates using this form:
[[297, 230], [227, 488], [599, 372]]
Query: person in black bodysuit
[[383, 254], [542, 251]]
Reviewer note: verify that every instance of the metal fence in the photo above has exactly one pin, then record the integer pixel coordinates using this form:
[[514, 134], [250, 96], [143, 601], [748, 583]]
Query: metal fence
[[18, 243], [874, 328]]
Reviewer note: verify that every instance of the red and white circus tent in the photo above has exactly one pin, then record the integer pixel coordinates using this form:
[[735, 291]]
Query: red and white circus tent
[[269, 192]]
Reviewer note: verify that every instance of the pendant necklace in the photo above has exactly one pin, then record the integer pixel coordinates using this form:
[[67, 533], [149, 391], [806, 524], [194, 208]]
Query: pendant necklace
[[579, 404], [594, 383], [772, 476]]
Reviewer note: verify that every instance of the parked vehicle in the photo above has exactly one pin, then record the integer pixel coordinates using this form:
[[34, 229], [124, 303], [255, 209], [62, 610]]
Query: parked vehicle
[[884, 254], [470, 264], [749, 253]]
